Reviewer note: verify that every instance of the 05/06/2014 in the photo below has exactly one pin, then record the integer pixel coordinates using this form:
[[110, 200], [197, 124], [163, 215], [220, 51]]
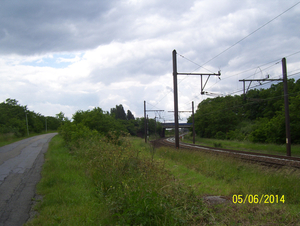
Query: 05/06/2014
[[258, 199]]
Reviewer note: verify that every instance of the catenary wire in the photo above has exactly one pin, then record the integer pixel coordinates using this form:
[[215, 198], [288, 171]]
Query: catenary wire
[[235, 44], [248, 35]]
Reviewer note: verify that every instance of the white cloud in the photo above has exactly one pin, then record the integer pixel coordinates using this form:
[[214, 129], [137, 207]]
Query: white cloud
[[67, 57]]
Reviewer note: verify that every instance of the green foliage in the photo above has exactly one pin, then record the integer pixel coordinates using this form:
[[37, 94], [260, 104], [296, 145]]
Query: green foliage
[[152, 128], [118, 112], [74, 134], [221, 114], [129, 116], [220, 175], [135, 190], [259, 118], [13, 119], [96, 119]]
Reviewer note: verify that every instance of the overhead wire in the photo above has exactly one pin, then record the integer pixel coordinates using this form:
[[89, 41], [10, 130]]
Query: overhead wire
[[277, 61], [201, 66], [249, 34]]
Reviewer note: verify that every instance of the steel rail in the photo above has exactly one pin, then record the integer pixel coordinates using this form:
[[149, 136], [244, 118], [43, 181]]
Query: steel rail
[[265, 159]]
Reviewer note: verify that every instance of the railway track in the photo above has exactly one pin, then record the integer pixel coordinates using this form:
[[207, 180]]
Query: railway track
[[277, 161]]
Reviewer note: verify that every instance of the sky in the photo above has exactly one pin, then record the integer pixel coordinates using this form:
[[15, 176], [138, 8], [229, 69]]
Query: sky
[[65, 56]]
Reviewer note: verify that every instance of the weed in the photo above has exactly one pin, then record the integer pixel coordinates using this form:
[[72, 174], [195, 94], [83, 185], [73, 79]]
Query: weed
[[100, 182], [112, 184]]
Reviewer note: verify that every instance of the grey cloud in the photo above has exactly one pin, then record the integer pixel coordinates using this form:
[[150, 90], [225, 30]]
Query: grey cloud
[[199, 30], [38, 27], [34, 27]]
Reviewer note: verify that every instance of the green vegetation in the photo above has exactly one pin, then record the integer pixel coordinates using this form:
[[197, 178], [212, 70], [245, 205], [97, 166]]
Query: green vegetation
[[14, 119], [107, 181], [95, 173], [8, 138], [212, 174], [116, 121], [123, 181], [258, 118], [275, 149]]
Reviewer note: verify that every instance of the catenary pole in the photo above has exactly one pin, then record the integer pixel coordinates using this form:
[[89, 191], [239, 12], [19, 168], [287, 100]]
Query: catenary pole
[[27, 123], [286, 102], [175, 73], [175, 99], [193, 122], [145, 122], [286, 107]]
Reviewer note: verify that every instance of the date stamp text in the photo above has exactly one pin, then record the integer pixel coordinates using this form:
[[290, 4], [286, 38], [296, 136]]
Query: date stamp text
[[257, 199]]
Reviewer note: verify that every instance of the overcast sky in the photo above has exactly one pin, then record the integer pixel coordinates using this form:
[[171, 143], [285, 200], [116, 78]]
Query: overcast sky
[[76, 55]]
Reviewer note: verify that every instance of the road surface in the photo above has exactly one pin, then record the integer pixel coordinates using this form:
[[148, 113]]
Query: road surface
[[20, 168]]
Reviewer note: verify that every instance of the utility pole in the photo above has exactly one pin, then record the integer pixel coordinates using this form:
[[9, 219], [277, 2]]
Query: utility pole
[[155, 128], [46, 123], [175, 73], [175, 98], [145, 122], [286, 101], [193, 122], [286, 107], [148, 131], [27, 124]]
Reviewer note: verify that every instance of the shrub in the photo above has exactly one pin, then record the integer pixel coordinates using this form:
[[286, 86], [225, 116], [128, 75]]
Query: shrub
[[136, 190]]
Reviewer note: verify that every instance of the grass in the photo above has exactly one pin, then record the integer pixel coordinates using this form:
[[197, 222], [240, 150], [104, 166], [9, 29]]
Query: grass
[[98, 183], [9, 138], [210, 174], [245, 146], [69, 197]]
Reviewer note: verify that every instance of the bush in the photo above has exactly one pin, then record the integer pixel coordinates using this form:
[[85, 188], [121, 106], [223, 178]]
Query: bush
[[136, 191], [220, 135], [73, 134]]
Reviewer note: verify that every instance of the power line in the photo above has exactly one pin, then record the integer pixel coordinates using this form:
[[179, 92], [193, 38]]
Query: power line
[[293, 54], [276, 62], [194, 63], [248, 35]]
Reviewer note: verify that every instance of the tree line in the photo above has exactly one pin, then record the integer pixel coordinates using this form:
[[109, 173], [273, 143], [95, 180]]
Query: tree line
[[111, 125], [259, 116], [114, 121], [13, 118]]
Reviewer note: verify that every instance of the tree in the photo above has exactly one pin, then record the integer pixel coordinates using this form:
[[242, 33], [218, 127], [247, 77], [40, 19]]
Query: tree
[[12, 102], [118, 112], [13, 119], [130, 116]]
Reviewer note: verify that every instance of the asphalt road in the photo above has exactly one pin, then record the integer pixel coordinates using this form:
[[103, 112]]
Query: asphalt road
[[20, 168]]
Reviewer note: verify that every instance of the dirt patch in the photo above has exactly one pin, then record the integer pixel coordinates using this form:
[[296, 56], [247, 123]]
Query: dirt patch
[[214, 200]]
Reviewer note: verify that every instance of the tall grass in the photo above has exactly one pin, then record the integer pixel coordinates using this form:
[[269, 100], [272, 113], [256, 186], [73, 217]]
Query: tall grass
[[236, 176], [246, 146], [214, 174], [102, 183], [123, 181], [138, 191], [68, 194]]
